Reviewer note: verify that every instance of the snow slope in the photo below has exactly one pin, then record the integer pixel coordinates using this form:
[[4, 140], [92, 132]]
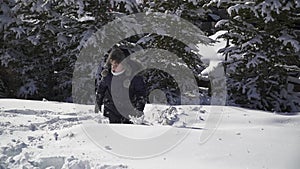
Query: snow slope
[[37, 134]]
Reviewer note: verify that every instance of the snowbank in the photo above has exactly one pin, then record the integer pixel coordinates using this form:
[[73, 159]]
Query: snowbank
[[37, 134]]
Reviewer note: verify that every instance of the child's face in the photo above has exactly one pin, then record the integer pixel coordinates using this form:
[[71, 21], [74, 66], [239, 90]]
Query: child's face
[[116, 67]]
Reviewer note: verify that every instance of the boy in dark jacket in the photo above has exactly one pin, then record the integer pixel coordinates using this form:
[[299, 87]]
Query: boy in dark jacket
[[112, 92]]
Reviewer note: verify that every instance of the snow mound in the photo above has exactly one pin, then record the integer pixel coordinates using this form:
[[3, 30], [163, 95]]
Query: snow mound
[[45, 134]]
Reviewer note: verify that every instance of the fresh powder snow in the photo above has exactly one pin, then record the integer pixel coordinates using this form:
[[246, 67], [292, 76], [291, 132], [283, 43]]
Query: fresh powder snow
[[46, 134]]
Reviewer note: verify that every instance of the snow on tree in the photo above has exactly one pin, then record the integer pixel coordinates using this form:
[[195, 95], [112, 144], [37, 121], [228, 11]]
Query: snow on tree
[[157, 79], [264, 42], [41, 40]]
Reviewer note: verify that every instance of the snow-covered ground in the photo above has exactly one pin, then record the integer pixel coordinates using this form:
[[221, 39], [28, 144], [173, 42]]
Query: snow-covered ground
[[44, 134]]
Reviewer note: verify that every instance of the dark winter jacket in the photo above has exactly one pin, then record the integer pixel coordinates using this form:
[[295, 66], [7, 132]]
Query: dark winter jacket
[[118, 104]]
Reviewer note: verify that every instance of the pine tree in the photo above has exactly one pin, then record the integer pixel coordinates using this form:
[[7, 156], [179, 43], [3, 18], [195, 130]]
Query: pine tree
[[191, 11], [265, 42], [42, 40]]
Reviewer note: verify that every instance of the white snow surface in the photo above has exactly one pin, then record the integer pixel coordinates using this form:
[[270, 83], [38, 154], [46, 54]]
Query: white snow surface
[[45, 134]]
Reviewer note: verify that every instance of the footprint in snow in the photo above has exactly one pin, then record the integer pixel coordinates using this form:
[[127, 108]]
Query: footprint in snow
[[108, 148]]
